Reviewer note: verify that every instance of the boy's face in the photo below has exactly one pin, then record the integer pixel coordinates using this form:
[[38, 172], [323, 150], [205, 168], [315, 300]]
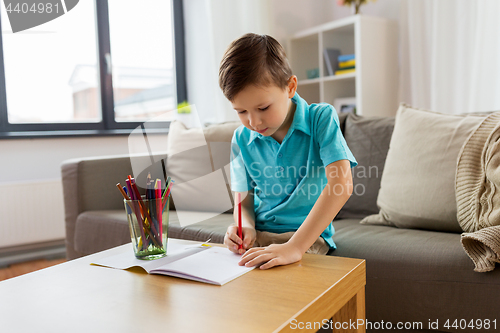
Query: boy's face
[[265, 109]]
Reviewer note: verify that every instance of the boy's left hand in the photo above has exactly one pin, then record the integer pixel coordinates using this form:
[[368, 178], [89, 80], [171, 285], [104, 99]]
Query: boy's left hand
[[272, 255]]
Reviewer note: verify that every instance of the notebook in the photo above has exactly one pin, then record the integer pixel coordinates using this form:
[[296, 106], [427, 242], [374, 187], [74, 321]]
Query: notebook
[[213, 265]]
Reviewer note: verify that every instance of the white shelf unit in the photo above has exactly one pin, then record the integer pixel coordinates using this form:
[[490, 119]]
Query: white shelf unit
[[374, 84]]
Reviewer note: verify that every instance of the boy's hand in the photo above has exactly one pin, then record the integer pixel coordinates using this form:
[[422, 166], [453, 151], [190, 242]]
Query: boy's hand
[[272, 255], [232, 241]]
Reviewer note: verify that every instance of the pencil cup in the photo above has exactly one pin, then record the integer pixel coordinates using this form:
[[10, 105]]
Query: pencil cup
[[148, 222]]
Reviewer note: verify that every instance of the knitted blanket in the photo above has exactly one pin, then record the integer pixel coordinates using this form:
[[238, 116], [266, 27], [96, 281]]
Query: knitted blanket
[[483, 247], [477, 189]]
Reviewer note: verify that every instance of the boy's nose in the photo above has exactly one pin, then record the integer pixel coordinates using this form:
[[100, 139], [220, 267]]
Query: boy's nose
[[254, 120]]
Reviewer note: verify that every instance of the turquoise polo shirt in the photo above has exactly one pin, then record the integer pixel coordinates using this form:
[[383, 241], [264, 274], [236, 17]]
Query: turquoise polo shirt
[[288, 178]]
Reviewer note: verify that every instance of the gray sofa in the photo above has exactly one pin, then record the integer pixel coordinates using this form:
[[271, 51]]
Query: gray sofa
[[412, 275]]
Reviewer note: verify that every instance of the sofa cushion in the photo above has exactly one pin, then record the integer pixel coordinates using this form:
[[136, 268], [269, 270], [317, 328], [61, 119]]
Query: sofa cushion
[[103, 229], [213, 228], [407, 254], [100, 230], [418, 182], [198, 161], [413, 273], [368, 138]]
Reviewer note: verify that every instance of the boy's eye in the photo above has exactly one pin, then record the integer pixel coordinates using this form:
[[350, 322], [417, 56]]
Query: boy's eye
[[240, 112], [262, 109]]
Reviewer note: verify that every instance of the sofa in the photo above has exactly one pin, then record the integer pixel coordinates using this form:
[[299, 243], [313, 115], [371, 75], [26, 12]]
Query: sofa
[[415, 273]]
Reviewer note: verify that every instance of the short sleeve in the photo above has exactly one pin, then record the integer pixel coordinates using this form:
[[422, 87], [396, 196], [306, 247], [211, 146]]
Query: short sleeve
[[332, 145], [240, 179]]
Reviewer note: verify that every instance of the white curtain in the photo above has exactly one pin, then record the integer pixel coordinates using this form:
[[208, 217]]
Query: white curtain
[[450, 55], [210, 25]]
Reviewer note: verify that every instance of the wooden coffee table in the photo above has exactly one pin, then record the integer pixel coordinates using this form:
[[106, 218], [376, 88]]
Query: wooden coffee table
[[78, 297]]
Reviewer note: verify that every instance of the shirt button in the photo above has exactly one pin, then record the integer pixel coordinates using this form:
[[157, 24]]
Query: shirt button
[[280, 155], [281, 169]]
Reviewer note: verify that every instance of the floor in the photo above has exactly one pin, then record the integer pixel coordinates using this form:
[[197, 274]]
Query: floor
[[27, 267]]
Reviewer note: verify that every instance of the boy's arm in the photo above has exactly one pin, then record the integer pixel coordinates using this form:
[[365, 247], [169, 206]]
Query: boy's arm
[[332, 199]]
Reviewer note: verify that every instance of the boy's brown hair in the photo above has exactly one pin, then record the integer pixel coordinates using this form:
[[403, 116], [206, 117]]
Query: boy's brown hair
[[253, 60]]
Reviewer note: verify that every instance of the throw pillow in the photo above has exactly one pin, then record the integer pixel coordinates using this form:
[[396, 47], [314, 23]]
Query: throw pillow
[[418, 182], [368, 138], [198, 161]]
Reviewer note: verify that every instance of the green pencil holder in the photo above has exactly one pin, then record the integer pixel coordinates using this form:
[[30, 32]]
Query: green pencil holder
[[312, 73], [148, 223]]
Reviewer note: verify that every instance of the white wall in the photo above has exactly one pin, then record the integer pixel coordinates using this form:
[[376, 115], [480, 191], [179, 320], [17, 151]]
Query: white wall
[[291, 16], [34, 165], [24, 160]]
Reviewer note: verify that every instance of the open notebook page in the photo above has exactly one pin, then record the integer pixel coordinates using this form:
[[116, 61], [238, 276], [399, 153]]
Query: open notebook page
[[127, 259], [217, 265]]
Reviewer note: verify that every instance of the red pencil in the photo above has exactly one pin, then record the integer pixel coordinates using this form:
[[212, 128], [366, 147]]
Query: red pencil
[[240, 231]]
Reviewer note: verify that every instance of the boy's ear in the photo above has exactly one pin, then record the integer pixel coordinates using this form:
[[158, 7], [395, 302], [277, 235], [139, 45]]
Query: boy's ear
[[292, 86]]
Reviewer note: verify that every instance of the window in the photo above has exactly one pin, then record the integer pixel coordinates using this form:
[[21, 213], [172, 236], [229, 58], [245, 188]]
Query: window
[[143, 76], [103, 67]]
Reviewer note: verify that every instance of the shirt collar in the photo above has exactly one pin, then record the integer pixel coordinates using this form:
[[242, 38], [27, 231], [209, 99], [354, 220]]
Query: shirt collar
[[301, 116], [299, 122]]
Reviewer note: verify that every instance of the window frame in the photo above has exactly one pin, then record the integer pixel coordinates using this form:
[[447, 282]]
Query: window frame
[[108, 125]]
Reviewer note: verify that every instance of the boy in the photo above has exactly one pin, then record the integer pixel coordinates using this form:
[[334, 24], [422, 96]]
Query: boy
[[289, 161]]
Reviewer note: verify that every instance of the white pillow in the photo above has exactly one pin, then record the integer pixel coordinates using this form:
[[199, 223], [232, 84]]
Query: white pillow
[[417, 188]]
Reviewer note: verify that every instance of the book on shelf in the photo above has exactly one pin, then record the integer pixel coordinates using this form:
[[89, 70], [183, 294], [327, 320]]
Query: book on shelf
[[345, 71], [214, 265], [330, 57], [348, 63], [345, 68], [345, 57]]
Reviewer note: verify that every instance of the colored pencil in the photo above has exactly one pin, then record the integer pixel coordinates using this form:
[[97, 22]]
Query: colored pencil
[[136, 209], [129, 208], [149, 197], [159, 207], [122, 191], [240, 230], [130, 192], [166, 193], [125, 196]]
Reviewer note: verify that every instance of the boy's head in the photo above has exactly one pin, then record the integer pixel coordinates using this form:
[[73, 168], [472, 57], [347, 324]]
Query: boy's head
[[253, 59], [256, 78]]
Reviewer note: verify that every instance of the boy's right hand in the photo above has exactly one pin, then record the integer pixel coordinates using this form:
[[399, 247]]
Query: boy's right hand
[[232, 241]]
